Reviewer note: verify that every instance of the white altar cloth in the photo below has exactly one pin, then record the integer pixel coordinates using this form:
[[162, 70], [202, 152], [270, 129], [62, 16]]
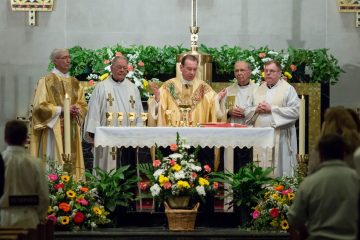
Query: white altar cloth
[[204, 137]]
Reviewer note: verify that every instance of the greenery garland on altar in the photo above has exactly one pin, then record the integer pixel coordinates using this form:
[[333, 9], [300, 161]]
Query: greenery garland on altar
[[150, 63]]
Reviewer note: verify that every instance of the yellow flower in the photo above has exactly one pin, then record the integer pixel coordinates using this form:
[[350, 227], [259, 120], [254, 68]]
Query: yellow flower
[[70, 194], [284, 224], [267, 194], [65, 178], [203, 182], [97, 210], [163, 180], [146, 83], [50, 209], [104, 76], [176, 167], [288, 75], [183, 184], [291, 196], [64, 220], [275, 196], [263, 74], [274, 223]]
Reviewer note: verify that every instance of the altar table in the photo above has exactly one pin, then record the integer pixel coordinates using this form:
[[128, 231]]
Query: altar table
[[194, 136]]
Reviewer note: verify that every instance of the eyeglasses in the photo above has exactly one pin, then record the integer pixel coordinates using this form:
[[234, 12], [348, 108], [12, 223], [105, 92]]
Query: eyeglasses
[[270, 71]]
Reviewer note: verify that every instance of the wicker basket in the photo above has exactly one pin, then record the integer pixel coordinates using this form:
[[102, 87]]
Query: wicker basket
[[180, 219]]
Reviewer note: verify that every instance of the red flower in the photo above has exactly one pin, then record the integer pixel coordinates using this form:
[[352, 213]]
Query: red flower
[[106, 61], [156, 163], [52, 218], [130, 67], [172, 162], [64, 206], [262, 55], [118, 54], [79, 217], [143, 185], [91, 82], [194, 175], [84, 189], [173, 147], [207, 168], [215, 185], [141, 64], [58, 186], [274, 212], [293, 67], [167, 185], [256, 214]]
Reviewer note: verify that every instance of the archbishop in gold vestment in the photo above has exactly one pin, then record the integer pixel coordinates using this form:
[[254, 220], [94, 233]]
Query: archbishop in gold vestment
[[46, 131], [199, 95]]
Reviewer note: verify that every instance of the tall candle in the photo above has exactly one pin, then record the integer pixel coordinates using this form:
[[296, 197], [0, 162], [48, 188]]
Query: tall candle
[[302, 126], [194, 13], [67, 132]]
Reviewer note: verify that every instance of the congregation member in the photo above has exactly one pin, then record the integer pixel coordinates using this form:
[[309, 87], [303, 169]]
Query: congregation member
[[276, 104], [186, 89], [114, 95], [47, 133], [326, 203], [242, 90], [338, 120], [24, 178]]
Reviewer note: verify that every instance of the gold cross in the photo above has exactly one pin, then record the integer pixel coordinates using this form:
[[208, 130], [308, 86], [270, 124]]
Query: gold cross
[[110, 99], [132, 102], [113, 153]]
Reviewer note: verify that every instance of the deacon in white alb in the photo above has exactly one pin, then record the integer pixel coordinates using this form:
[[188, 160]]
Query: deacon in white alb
[[113, 95], [276, 104]]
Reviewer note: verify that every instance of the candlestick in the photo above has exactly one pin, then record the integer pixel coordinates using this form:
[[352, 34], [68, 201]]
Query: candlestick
[[67, 131], [302, 126], [194, 13]]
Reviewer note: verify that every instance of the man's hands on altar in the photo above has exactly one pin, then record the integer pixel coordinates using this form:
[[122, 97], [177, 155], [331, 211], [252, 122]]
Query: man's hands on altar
[[263, 107], [237, 112], [222, 94], [156, 91]]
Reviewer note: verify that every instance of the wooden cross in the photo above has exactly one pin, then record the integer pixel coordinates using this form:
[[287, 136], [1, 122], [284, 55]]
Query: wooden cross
[[32, 6], [110, 99], [132, 102], [113, 153]]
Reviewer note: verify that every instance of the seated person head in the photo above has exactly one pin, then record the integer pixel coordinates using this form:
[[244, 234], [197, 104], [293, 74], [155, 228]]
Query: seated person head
[[331, 147], [16, 133]]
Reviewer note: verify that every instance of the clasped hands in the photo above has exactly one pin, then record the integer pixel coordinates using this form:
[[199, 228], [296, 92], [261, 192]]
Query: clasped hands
[[263, 107]]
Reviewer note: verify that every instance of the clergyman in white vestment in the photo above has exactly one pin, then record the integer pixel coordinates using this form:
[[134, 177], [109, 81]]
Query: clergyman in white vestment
[[113, 95], [276, 104]]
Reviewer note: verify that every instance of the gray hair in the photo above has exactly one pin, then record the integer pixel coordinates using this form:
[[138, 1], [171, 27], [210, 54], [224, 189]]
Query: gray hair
[[247, 63], [117, 58], [56, 52]]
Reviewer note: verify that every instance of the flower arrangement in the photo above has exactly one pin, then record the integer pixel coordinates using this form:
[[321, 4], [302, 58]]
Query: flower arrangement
[[270, 214], [73, 205], [179, 174]]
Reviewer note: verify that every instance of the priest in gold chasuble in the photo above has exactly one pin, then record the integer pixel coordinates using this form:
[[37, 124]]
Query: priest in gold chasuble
[[47, 130], [184, 90]]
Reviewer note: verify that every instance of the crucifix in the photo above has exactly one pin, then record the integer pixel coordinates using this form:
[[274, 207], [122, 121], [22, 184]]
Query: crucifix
[[110, 99], [32, 6], [113, 153], [132, 102]]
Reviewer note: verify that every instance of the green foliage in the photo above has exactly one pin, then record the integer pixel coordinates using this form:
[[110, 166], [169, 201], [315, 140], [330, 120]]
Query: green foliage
[[115, 186], [320, 64], [247, 186]]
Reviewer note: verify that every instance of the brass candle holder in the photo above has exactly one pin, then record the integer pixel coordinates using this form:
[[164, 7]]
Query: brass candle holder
[[120, 118], [144, 117], [67, 163], [303, 161], [109, 118], [132, 118]]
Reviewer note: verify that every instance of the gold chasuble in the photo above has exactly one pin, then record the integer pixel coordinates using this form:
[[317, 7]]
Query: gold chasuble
[[47, 137], [199, 95]]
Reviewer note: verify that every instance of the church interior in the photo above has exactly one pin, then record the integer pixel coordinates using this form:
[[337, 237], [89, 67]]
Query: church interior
[[317, 43]]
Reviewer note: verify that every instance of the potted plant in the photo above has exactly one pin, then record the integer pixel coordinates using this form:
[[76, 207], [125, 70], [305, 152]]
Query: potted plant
[[116, 187], [247, 187], [179, 179]]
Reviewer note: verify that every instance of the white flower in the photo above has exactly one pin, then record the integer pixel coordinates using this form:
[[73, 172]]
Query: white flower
[[186, 146], [155, 190], [108, 68], [251, 59], [264, 60], [195, 168], [201, 190], [273, 53], [179, 175], [176, 156], [93, 225], [158, 172], [55, 208]]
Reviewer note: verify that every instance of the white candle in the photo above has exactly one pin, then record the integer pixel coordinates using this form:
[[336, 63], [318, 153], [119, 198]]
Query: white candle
[[194, 13], [302, 126], [67, 132]]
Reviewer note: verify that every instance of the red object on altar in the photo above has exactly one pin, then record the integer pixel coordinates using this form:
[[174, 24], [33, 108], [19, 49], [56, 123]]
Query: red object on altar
[[224, 125]]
